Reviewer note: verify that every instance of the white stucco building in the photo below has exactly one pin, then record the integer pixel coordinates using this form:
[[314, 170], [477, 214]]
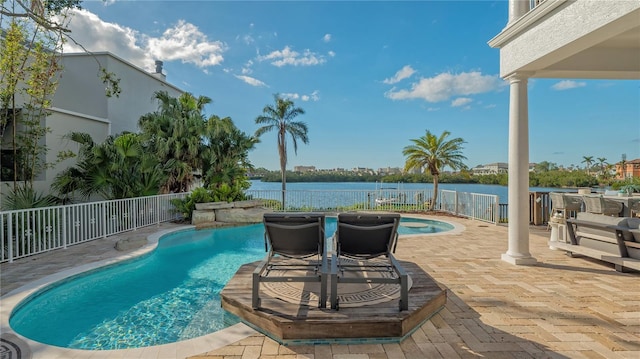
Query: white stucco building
[[491, 169], [80, 104], [564, 39]]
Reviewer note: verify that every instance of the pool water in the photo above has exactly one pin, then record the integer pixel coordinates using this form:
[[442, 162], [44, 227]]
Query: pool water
[[168, 295]]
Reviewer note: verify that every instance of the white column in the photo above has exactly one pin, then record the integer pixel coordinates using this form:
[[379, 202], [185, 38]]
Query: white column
[[518, 251], [517, 8]]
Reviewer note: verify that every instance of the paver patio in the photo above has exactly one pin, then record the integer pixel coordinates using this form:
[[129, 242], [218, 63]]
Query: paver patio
[[562, 307]]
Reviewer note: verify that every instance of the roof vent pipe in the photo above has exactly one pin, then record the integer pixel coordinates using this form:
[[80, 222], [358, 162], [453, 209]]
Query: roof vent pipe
[[158, 67]]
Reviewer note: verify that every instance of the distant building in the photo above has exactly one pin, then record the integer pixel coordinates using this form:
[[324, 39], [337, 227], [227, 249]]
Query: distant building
[[304, 168], [363, 170], [389, 170], [490, 169], [631, 169]]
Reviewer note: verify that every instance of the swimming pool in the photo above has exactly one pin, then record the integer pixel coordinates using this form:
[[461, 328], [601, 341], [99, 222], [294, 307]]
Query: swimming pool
[[168, 295]]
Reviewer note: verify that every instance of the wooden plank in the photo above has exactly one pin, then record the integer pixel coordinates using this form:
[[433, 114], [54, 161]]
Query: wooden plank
[[286, 321]]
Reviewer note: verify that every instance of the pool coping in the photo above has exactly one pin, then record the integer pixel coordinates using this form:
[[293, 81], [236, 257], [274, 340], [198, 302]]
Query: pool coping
[[180, 349]]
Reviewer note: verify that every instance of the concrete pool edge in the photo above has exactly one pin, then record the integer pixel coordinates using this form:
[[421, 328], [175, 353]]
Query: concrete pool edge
[[457, 227], [184, 348]]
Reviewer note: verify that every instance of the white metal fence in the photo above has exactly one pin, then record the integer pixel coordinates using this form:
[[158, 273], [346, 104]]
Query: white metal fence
[[482, 207], [32, 231]]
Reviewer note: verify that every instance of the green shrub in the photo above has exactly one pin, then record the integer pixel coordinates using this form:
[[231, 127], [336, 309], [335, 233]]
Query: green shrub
[[25, 198]]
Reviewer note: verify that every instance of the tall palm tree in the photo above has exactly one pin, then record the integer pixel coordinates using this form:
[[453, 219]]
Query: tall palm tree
[[281, 118], [623, 166], [587, 160], [432, 154], [603, 164]]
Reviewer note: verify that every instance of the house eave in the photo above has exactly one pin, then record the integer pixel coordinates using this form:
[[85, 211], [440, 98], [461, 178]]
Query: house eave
[[523, 23]]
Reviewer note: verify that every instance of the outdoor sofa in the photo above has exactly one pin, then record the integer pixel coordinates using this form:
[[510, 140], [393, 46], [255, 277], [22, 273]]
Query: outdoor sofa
[[611, 239]]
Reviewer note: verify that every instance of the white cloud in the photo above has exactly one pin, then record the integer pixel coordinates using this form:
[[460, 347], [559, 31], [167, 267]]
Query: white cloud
[[314, 96], [246, 69], [326, 38], [444, 86], [251, 81], [461, 101], [567, 85], [332, 53], [183, 42], [293, 58], [402, 74], [187, 43]]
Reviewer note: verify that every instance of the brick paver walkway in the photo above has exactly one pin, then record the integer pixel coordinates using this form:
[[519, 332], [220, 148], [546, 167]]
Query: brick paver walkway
[[560, 308]]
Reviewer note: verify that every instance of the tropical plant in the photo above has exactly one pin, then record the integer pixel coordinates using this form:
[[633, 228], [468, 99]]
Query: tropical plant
[[225, 155], [187, 205], [432, 154], [173, 134], [280, 117], [29, 70], [120, 167], [25, 197], [587, 160]]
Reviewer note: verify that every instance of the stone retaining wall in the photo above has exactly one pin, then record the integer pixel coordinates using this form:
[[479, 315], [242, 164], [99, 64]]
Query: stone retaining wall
[[213, 214]]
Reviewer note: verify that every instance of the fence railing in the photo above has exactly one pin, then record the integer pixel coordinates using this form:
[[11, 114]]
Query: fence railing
[[482, 207], [32, 231]]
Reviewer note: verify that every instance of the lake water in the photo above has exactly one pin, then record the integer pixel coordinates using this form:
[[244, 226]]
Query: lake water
[[500, 191]]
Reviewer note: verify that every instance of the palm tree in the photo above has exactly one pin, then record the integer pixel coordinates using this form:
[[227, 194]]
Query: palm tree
[[588, 160], [174, 133], [226, 154], [433, 154], [120, 167], [281, 118], [623, 166], [603, 163]]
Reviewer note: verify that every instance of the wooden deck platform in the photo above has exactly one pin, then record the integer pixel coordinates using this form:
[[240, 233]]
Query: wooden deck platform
[[288, 322]]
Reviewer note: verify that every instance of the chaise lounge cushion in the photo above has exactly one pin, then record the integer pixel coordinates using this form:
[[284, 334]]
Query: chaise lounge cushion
[[634, 223], [606, 220]]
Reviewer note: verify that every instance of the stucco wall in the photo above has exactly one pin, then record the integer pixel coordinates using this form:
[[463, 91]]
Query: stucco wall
[[565, 31]]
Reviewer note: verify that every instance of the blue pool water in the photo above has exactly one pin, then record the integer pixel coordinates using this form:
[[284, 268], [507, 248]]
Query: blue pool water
[[169, 295]]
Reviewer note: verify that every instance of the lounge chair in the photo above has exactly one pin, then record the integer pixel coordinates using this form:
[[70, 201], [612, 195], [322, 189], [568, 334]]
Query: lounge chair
[[364, 238], [295, 238]]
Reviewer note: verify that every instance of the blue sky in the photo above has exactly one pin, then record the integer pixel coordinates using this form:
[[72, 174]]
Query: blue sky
[[370, 75]]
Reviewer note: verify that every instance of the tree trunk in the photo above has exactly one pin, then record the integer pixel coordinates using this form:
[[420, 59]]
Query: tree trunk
[[283, 165], [434, 199]]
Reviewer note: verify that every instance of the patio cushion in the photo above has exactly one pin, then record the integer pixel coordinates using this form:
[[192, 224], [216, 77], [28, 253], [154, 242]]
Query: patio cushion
[[606, 220], [634, 223]]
